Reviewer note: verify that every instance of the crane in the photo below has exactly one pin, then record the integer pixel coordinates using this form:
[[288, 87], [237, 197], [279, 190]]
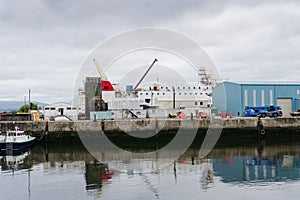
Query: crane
[[100, 70], [137, 85]]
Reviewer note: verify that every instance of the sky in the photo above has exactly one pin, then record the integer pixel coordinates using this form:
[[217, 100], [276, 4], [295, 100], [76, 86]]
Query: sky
[[44, 43]]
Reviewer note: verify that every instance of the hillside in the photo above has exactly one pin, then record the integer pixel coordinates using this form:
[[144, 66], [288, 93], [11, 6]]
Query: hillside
[[6, 106]]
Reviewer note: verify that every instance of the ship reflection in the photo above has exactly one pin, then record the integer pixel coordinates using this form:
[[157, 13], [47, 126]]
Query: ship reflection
[[203, 166], [262, 164], [97, 175]]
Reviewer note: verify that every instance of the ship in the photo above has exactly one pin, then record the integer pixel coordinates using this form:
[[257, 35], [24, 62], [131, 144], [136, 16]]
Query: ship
[[150, 100]]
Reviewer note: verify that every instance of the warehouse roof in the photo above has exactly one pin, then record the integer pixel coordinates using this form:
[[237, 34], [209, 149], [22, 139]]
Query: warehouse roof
[[265, 82]]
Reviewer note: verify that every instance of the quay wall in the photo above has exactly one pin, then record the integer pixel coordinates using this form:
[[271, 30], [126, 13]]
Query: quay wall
[[148, 124]]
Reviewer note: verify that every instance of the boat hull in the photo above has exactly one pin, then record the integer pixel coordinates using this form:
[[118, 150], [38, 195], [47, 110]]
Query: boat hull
[[16, 145]]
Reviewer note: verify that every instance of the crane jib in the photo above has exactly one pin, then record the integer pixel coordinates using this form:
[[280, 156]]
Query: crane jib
[[137, 85]]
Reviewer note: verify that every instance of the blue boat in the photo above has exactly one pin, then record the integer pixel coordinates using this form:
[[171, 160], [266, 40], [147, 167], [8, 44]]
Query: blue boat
[[15, 140]]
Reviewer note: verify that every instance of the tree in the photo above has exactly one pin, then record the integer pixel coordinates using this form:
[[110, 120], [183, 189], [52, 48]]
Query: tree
[[25, 108]]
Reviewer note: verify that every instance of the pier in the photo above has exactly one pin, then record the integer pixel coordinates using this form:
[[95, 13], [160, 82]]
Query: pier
[[38, 127]]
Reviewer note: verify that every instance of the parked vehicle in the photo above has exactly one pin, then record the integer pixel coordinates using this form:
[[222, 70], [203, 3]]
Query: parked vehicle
[[263, 111]]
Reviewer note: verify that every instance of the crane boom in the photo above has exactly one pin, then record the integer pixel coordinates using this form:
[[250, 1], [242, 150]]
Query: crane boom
[[137, 85], [100, 70]]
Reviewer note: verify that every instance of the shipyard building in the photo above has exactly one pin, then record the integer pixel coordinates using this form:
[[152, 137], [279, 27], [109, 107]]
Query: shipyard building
[[232, 97]]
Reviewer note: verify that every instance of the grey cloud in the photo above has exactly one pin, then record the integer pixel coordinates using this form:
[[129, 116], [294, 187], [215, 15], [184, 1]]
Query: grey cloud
[[45, 42]]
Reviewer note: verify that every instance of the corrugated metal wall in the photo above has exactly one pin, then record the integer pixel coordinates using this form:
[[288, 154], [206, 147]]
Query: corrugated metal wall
[[239, 95]]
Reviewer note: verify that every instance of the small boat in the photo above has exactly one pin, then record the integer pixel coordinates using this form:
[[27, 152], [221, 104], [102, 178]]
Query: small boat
[[15, 140]]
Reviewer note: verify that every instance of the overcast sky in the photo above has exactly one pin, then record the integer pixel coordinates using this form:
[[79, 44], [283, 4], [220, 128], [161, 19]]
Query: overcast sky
[[44, 43]]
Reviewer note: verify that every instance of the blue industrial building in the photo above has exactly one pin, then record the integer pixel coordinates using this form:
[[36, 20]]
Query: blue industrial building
[[234, 96]]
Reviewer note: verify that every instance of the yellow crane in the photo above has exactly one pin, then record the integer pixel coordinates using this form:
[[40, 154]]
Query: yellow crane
[[100, 70]]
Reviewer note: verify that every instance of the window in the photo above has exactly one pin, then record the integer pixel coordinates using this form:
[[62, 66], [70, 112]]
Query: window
[[199, 88], [141, 93], [196, 93], [46, 108], [298, 92], [146, 93], [196, 103], [178, 88], [194, 88], [201, 103], [189, 87], [74, 108], [185, 93], [167, 88], [52, 108], [157, 93], [183, 87], [179, 93], [163, 93], [162, 88], [68, 108]]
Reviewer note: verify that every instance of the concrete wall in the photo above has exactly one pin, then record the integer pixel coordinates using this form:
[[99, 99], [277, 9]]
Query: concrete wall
[[148, 124]]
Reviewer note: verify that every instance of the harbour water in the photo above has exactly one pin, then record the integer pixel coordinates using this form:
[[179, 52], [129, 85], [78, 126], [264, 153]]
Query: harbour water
[[246, 169]]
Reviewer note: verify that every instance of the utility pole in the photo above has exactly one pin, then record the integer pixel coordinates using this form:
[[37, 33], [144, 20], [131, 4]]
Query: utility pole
[[29, 100], [29, 104]]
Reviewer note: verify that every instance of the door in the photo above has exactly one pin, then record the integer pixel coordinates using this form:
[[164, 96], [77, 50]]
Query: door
[[61, 111], [286, 106]]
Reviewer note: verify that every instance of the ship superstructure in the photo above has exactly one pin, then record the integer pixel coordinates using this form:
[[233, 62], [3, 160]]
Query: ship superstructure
[[147, 100]]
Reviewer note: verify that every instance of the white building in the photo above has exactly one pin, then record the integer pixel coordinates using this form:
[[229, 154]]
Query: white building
[[61, 109]]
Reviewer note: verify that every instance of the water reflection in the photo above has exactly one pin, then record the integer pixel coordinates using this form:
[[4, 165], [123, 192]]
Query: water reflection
[[97, 175], [14, 160], [67, 166], [263, 164]]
